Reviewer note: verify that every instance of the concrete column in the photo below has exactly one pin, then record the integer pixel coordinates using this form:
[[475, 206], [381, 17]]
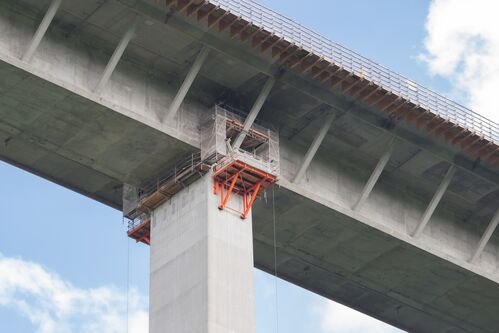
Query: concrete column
[[201, 265]]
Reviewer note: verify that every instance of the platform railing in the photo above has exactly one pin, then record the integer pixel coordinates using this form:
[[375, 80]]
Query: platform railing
[[189, 162], [351, 61], [134, 223]]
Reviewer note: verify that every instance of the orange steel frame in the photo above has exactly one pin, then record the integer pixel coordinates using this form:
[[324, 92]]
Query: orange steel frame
[[142, 232], [235, 177], [252, 131], [242, 179]]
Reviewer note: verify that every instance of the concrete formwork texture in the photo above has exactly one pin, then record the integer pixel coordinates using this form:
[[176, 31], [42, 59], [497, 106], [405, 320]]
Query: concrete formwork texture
[[382, 204]]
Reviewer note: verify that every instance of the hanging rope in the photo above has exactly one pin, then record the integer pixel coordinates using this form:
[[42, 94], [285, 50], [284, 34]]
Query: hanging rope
[[275, 262], [127, 276]]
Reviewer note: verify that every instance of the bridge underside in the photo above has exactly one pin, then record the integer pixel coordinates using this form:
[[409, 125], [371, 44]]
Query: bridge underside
[[77, 142], [333, 255], [53, 124]]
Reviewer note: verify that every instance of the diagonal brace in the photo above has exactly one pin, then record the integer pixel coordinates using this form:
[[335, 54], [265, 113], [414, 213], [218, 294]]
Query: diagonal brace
[[42, 29], [486, 236], [253, 197], [312, 150], [229, 191], [257, 106], [115, 58], [435, 201], [186, 85], [374, 176]]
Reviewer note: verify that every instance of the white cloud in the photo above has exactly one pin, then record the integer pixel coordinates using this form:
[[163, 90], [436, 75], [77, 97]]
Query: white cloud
[[462, 45], [337, 318], [54, 305]]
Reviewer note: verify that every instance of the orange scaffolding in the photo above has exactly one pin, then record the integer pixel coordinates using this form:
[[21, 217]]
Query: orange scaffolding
[[247, 171], [242, 179], [142, 232], [235, 177]]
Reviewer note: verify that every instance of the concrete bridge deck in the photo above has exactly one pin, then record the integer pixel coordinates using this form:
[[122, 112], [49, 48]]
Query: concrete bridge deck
[[59, 121]]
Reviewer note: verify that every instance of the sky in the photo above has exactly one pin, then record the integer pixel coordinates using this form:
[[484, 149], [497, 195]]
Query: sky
[[66, 264]]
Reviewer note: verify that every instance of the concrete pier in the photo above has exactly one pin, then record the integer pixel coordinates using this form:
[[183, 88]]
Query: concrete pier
[[201, 265], [347, 202]]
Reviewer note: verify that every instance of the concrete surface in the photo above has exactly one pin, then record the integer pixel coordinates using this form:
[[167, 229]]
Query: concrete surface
[[201, 265], [52, 123]]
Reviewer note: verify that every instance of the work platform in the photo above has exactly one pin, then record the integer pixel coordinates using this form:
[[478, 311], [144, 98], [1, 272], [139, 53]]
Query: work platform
[[141, 232], [247, 171], [74, 111], [242, 179]]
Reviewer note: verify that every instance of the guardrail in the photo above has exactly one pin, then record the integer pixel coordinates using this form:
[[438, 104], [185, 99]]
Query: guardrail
[[189, 162], [311, 41]]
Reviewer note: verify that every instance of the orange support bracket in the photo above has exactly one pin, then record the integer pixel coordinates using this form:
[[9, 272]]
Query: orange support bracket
[[229, 191], [242, 179], [253, 197], [142, 232]]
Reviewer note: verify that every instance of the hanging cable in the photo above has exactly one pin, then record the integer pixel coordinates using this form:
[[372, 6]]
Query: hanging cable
[[275, 262], [127, 277]]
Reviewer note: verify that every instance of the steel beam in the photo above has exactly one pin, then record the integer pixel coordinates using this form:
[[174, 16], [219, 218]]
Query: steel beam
[[486, 236], [257, 106], [115, 58], [374, 176], [435, 200], [42, 29], [312, 150], [186, 85]]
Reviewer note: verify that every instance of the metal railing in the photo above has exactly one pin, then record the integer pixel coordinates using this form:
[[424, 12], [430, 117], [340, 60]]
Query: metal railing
[[330, 51], [190, 162], [134, 223]]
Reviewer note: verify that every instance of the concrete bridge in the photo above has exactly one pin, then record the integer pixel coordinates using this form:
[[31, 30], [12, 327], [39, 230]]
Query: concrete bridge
[[388, 194]]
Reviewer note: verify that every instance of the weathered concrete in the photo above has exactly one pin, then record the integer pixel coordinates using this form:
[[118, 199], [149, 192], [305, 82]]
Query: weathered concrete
[[201, 265], [54, 124]]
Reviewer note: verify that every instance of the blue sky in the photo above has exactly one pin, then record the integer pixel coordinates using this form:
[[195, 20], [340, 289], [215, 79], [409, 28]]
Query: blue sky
[[77, 249]]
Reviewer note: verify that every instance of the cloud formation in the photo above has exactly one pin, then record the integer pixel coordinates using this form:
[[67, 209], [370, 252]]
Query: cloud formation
[[55, 305], [337, 318], [462, 45]]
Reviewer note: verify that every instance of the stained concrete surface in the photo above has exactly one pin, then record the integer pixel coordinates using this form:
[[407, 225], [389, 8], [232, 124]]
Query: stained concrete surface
[[53, 124]]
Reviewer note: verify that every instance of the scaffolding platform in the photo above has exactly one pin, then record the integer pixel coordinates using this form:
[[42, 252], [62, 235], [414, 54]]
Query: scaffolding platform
[[141, 232], [241, 178], [138, 203], [247, 170], [170, 187]]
